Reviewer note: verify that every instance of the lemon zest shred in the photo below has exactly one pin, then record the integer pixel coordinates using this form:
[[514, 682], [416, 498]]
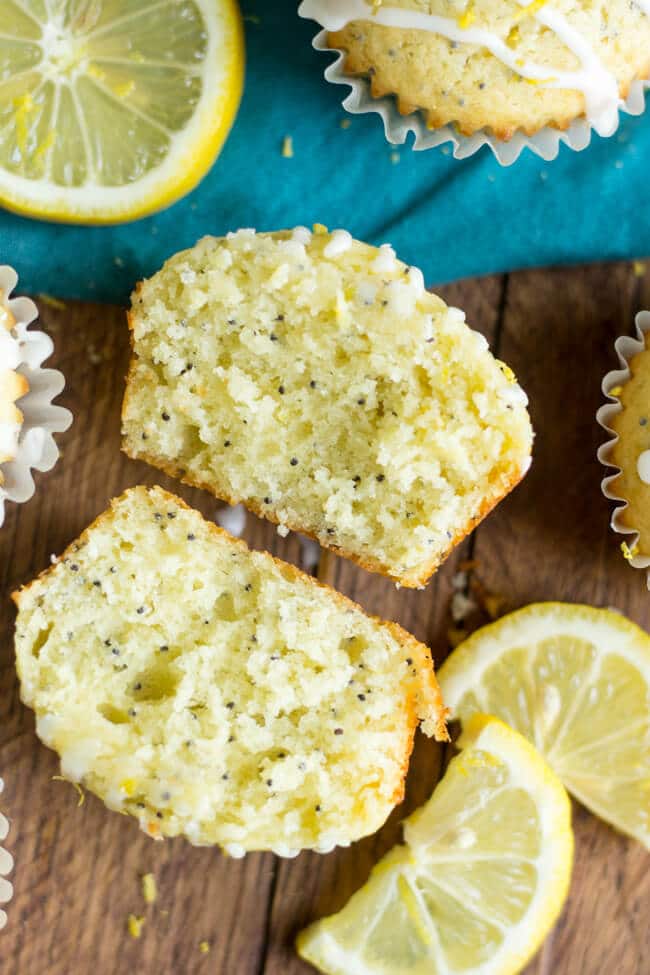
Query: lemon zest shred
[[507, 371], [204, 947], [80, 791], [513, 37], [149, 888], [287, 147], [135, 925], [629, 551], [615, 391], [468, 17], [52, 302], [540, 81]]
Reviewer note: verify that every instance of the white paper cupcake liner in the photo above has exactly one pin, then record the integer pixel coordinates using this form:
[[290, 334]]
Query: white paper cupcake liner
[[545, 143], [6, 866], [626, 348], [36, 447]]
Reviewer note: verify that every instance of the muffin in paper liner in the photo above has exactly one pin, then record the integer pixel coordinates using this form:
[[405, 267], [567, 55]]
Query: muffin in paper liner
[[626, 348], [545, 143], [6, 866], [41, 418]]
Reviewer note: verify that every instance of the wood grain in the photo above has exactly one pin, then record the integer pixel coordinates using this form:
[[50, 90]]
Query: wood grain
[[78, 869]]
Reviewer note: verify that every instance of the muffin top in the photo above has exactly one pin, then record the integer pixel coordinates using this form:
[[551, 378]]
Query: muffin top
[[501, 65], [631, 452]]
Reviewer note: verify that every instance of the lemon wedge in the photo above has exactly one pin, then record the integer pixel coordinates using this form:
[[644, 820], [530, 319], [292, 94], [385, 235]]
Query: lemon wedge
[[111, 109], [481, 878], [576, 682]]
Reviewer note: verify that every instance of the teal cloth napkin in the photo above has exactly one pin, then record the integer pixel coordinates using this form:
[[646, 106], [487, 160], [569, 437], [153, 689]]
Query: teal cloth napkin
[[452, 218]]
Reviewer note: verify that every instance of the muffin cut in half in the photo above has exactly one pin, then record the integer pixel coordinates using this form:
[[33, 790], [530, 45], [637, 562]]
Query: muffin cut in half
[[314, 379], [215, 692], [12, 387], [499, 65]]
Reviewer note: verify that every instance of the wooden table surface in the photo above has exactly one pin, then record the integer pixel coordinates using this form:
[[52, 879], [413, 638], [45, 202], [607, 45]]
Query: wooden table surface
[[78, 869]]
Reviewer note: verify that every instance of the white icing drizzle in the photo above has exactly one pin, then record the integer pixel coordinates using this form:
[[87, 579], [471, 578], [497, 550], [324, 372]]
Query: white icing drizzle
[[598, 85], [301, 235], [385, 261], [339, 243], [643, 466]]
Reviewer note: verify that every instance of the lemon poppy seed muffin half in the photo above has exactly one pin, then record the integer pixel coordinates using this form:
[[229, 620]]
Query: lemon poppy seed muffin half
[[499, 65], [217, 693], [313, 378]]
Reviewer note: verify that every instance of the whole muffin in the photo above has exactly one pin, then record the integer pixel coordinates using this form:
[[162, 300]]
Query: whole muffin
[[631, 451], [502, 65], [12, 387]]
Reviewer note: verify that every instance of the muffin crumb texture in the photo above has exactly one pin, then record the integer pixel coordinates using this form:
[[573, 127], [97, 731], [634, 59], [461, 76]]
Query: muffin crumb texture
[[215, 692], [314, 379]]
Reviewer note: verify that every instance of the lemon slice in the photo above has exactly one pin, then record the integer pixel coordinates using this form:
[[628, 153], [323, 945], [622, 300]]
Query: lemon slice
[[111, 109], [481, 879], [576, 682]]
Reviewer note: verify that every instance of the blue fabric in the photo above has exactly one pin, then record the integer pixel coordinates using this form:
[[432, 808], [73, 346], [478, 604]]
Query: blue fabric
[[453, 218]]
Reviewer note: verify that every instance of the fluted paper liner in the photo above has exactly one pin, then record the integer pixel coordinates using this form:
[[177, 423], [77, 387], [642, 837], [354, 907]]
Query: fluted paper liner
[[545, 143], [42, 419], [626, 348], [6, 866]]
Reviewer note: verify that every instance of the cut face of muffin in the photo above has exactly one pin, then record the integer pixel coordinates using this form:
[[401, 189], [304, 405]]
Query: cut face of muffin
[[500, 65], [215, 692], [314, 379], [631, 452], [12, 387]]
